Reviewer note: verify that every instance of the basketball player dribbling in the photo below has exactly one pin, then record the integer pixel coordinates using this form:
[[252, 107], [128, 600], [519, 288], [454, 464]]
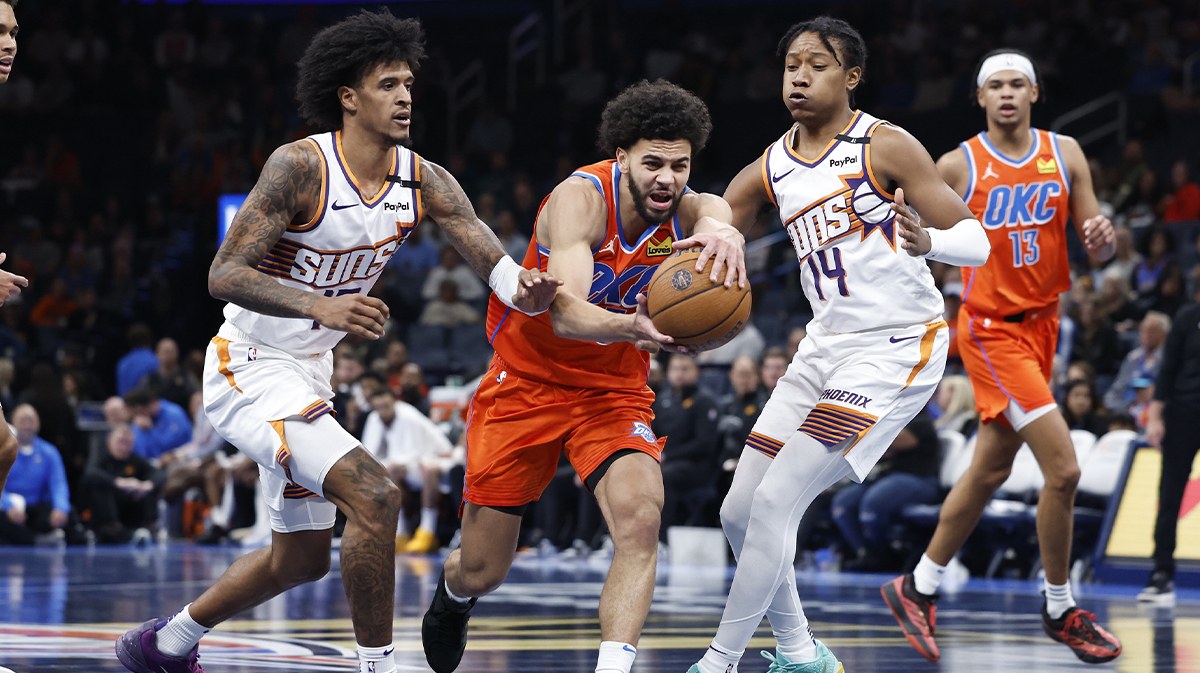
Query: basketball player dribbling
[[1024, 184], [573, 381], [10, 283], [301, 256], [876, 346]]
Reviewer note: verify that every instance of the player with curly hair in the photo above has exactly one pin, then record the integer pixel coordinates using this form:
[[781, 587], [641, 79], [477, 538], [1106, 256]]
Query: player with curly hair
[[573, 381], [297, 267]]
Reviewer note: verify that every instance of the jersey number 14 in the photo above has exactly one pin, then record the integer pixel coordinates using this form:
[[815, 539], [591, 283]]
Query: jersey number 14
[[838, 272]]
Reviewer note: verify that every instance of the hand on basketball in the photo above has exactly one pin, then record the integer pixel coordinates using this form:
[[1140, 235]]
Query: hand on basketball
[[10, 283], [352, 313], [1097, 233], [726, 247], [915, 240], [535, 291], [647, 336]]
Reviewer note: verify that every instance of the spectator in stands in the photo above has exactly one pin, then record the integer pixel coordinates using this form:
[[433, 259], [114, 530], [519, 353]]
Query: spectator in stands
[[1125, 255], [566, 496], [515, 243], [451, 268], [347, 370], [956, 400], [747, 343], [1083, 410], [687, 416], [416, 257], [795, 336], [54, 308], [188, 464], [116, 412], [774, 365], [739, 411], [1143, 395], [160, 426], [1157, 258], [906, 475], [952, 303], [7, 372], [171, 381], [139, 361], [1096, 340], [1117, 305], [1184, 204], [36, 498], [448, 310], [1141, 362], [411, 447], [121, 488], [1169, 292], [413, 390], [1173, 425], [397, 357], [45, 393], [1129, 177]]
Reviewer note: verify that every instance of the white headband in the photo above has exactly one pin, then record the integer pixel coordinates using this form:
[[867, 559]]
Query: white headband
[[999, 62]]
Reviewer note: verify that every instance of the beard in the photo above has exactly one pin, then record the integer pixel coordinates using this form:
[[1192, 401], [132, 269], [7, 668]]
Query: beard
[[650, 216]]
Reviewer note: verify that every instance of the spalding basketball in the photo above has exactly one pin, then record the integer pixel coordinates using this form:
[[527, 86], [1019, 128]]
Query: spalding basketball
[[685, 305]]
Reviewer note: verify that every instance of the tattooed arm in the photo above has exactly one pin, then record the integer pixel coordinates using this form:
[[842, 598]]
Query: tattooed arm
[[448, 205], [287, 190]]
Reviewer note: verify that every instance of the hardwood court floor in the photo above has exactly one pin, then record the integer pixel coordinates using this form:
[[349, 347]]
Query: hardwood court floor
[[60, 610]]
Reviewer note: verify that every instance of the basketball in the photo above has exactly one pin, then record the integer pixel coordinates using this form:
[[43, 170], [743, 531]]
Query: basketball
[[685, 305]]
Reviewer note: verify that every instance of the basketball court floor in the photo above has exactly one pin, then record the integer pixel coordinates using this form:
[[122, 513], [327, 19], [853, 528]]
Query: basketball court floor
[[60, 610]]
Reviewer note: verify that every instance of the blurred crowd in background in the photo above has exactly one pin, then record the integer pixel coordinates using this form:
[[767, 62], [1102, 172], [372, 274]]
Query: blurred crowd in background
[[125, 122]]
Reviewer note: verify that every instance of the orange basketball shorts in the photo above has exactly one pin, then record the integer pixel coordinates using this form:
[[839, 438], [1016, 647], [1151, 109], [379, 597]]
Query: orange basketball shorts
[[517, 428], [1009, 363]]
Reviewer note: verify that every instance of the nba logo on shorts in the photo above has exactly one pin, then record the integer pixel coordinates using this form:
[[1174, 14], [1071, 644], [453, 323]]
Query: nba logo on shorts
[[252, 355], [370, 667], [642, 430]]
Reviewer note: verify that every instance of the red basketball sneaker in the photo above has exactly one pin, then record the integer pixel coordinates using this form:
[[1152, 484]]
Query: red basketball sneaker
[[1078, 630], [915, 612]]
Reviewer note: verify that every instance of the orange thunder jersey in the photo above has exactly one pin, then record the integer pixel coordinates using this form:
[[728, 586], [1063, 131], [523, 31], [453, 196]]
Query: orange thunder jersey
[[621, 271], [1024, 206]]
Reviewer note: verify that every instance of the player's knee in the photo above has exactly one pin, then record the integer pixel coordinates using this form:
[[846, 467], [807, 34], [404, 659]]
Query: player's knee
[[482, 576], [735, 516], [377, 506], [1063, 480], [301, 569], [992, 478], [636, 523]]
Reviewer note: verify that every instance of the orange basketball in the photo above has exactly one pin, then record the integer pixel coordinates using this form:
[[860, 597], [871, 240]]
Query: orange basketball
[[686, 305]]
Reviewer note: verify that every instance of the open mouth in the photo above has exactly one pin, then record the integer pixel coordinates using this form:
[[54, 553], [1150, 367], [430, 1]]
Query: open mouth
[[1008, 109], [797, 98], [6, 64], [402, 118], [660, 199]]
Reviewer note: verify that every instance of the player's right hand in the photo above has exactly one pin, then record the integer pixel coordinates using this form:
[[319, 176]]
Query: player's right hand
[[646, 334], [10, 283], [352, 313], [915, 240], [1154, 432]]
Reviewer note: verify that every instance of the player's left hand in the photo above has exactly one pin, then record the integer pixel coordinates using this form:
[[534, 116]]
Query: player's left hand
[[1098, 233], [915, 239], [726, 247], [535, 291]]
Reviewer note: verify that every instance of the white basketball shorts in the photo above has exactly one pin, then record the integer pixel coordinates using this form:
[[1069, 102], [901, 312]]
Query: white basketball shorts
[[250, 391], [854, 392]]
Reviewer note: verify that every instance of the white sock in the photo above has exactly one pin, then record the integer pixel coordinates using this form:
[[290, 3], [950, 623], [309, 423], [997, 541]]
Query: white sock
[[376, 659], [798, 645], [928, 575], [719, 661], [1058, 599], [429, 519], [615, 657], [454, 598], [180, 634]]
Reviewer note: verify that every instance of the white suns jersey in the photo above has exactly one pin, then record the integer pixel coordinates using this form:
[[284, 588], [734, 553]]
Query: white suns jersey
[[854, 272], [342, 250]]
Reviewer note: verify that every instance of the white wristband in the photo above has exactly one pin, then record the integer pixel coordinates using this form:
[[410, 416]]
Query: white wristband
[[964, 244], [505, 280]]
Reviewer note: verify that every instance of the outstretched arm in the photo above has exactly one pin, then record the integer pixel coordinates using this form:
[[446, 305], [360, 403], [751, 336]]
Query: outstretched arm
[[953, 234], [289, 186], [449, 206], [572, 220], [1094, 229]]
